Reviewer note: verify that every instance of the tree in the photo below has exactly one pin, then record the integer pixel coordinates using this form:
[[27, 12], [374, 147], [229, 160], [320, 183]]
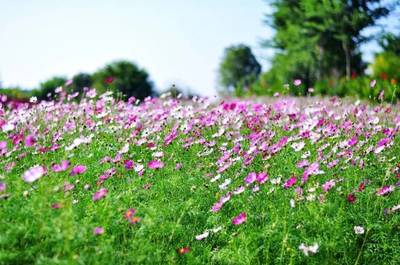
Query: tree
[[316, 39], [238, 67], [124, 77], [386, 64], [47, 89], [79, 82], [390, 43]]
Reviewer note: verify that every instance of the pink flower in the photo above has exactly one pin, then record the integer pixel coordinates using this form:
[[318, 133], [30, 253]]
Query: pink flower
[[251, 177], [155, 164], [2, 187], [30, 140], [78, 170], [328, 185], [290, 182], [128, 164], [100, 194], [33, 174], [385, 190], [241, 218], [68, 187], [297, 82], [98, 231], [262, 177], [60, 167], [372, 83]]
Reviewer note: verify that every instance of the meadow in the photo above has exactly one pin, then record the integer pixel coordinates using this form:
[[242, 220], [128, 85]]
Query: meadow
[[203, 181]]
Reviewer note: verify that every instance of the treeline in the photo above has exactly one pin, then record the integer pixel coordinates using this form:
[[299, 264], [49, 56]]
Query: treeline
[[124, 78], [317, 46]]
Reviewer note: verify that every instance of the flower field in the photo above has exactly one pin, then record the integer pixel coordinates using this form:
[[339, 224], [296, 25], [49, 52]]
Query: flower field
[[171, 181]]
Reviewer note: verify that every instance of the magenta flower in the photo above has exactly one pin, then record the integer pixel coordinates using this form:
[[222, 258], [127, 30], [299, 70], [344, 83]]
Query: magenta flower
[[30, 140], [290, 182], [251, 177], [60, 167], [100, 194], [385, 190], [351, 198], [241, 218], [262, 177], [155, 164], [79, 169], [33, 174], [128, 164], [98, 231]]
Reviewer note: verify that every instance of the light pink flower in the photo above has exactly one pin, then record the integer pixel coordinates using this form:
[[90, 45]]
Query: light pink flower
[[60, 167], [33, 174], [100, 194], [98, 231], [328, 185], [297, 82]]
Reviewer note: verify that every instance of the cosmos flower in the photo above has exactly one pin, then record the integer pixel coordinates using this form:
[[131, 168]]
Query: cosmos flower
[[183, 250], [79, 169], [33, 174], [328, 185], [385, 190], [98, 231], [100, 194], [359, 230], [60, 167], [128, 164], [309, 250], [251, 177], [351, 198], [290, 182], [241, 218], [155, 164], [203, 235]]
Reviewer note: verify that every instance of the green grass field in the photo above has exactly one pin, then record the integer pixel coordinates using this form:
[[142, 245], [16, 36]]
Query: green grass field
[[206, 152]]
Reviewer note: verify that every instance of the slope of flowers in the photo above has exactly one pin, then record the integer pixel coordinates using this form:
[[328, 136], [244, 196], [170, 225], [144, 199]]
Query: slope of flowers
[[175, 181]]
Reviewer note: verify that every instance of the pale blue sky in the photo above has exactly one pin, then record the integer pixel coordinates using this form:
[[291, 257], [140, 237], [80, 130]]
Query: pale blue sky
[[176, 41]]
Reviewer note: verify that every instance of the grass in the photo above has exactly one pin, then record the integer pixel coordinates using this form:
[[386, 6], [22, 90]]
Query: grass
[[177, 206]]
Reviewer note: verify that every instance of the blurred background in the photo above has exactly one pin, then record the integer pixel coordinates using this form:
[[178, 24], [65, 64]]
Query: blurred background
[[227, 47]]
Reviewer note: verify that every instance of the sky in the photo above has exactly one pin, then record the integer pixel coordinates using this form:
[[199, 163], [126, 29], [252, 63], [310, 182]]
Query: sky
[[177, 41]]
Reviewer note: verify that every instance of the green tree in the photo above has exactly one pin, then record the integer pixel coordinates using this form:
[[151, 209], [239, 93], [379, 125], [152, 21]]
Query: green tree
[[386, 64], [239, 67], [124, 77], [79, 82], [316, 39], [47, 89]]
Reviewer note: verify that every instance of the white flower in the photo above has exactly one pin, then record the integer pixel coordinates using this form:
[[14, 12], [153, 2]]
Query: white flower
[[33, 100], [292, 203], [309, 249], [202, 236], [298, 146], [225, 184], [359, 230]]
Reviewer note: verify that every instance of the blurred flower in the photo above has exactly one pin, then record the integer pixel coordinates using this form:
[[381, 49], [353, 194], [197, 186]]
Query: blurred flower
[[202, 236], [307, 250], [155, 164], [78, 170], [359, 230], [297, 82], [100, 194], [98, 231], [241, 218], [33, 174]]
